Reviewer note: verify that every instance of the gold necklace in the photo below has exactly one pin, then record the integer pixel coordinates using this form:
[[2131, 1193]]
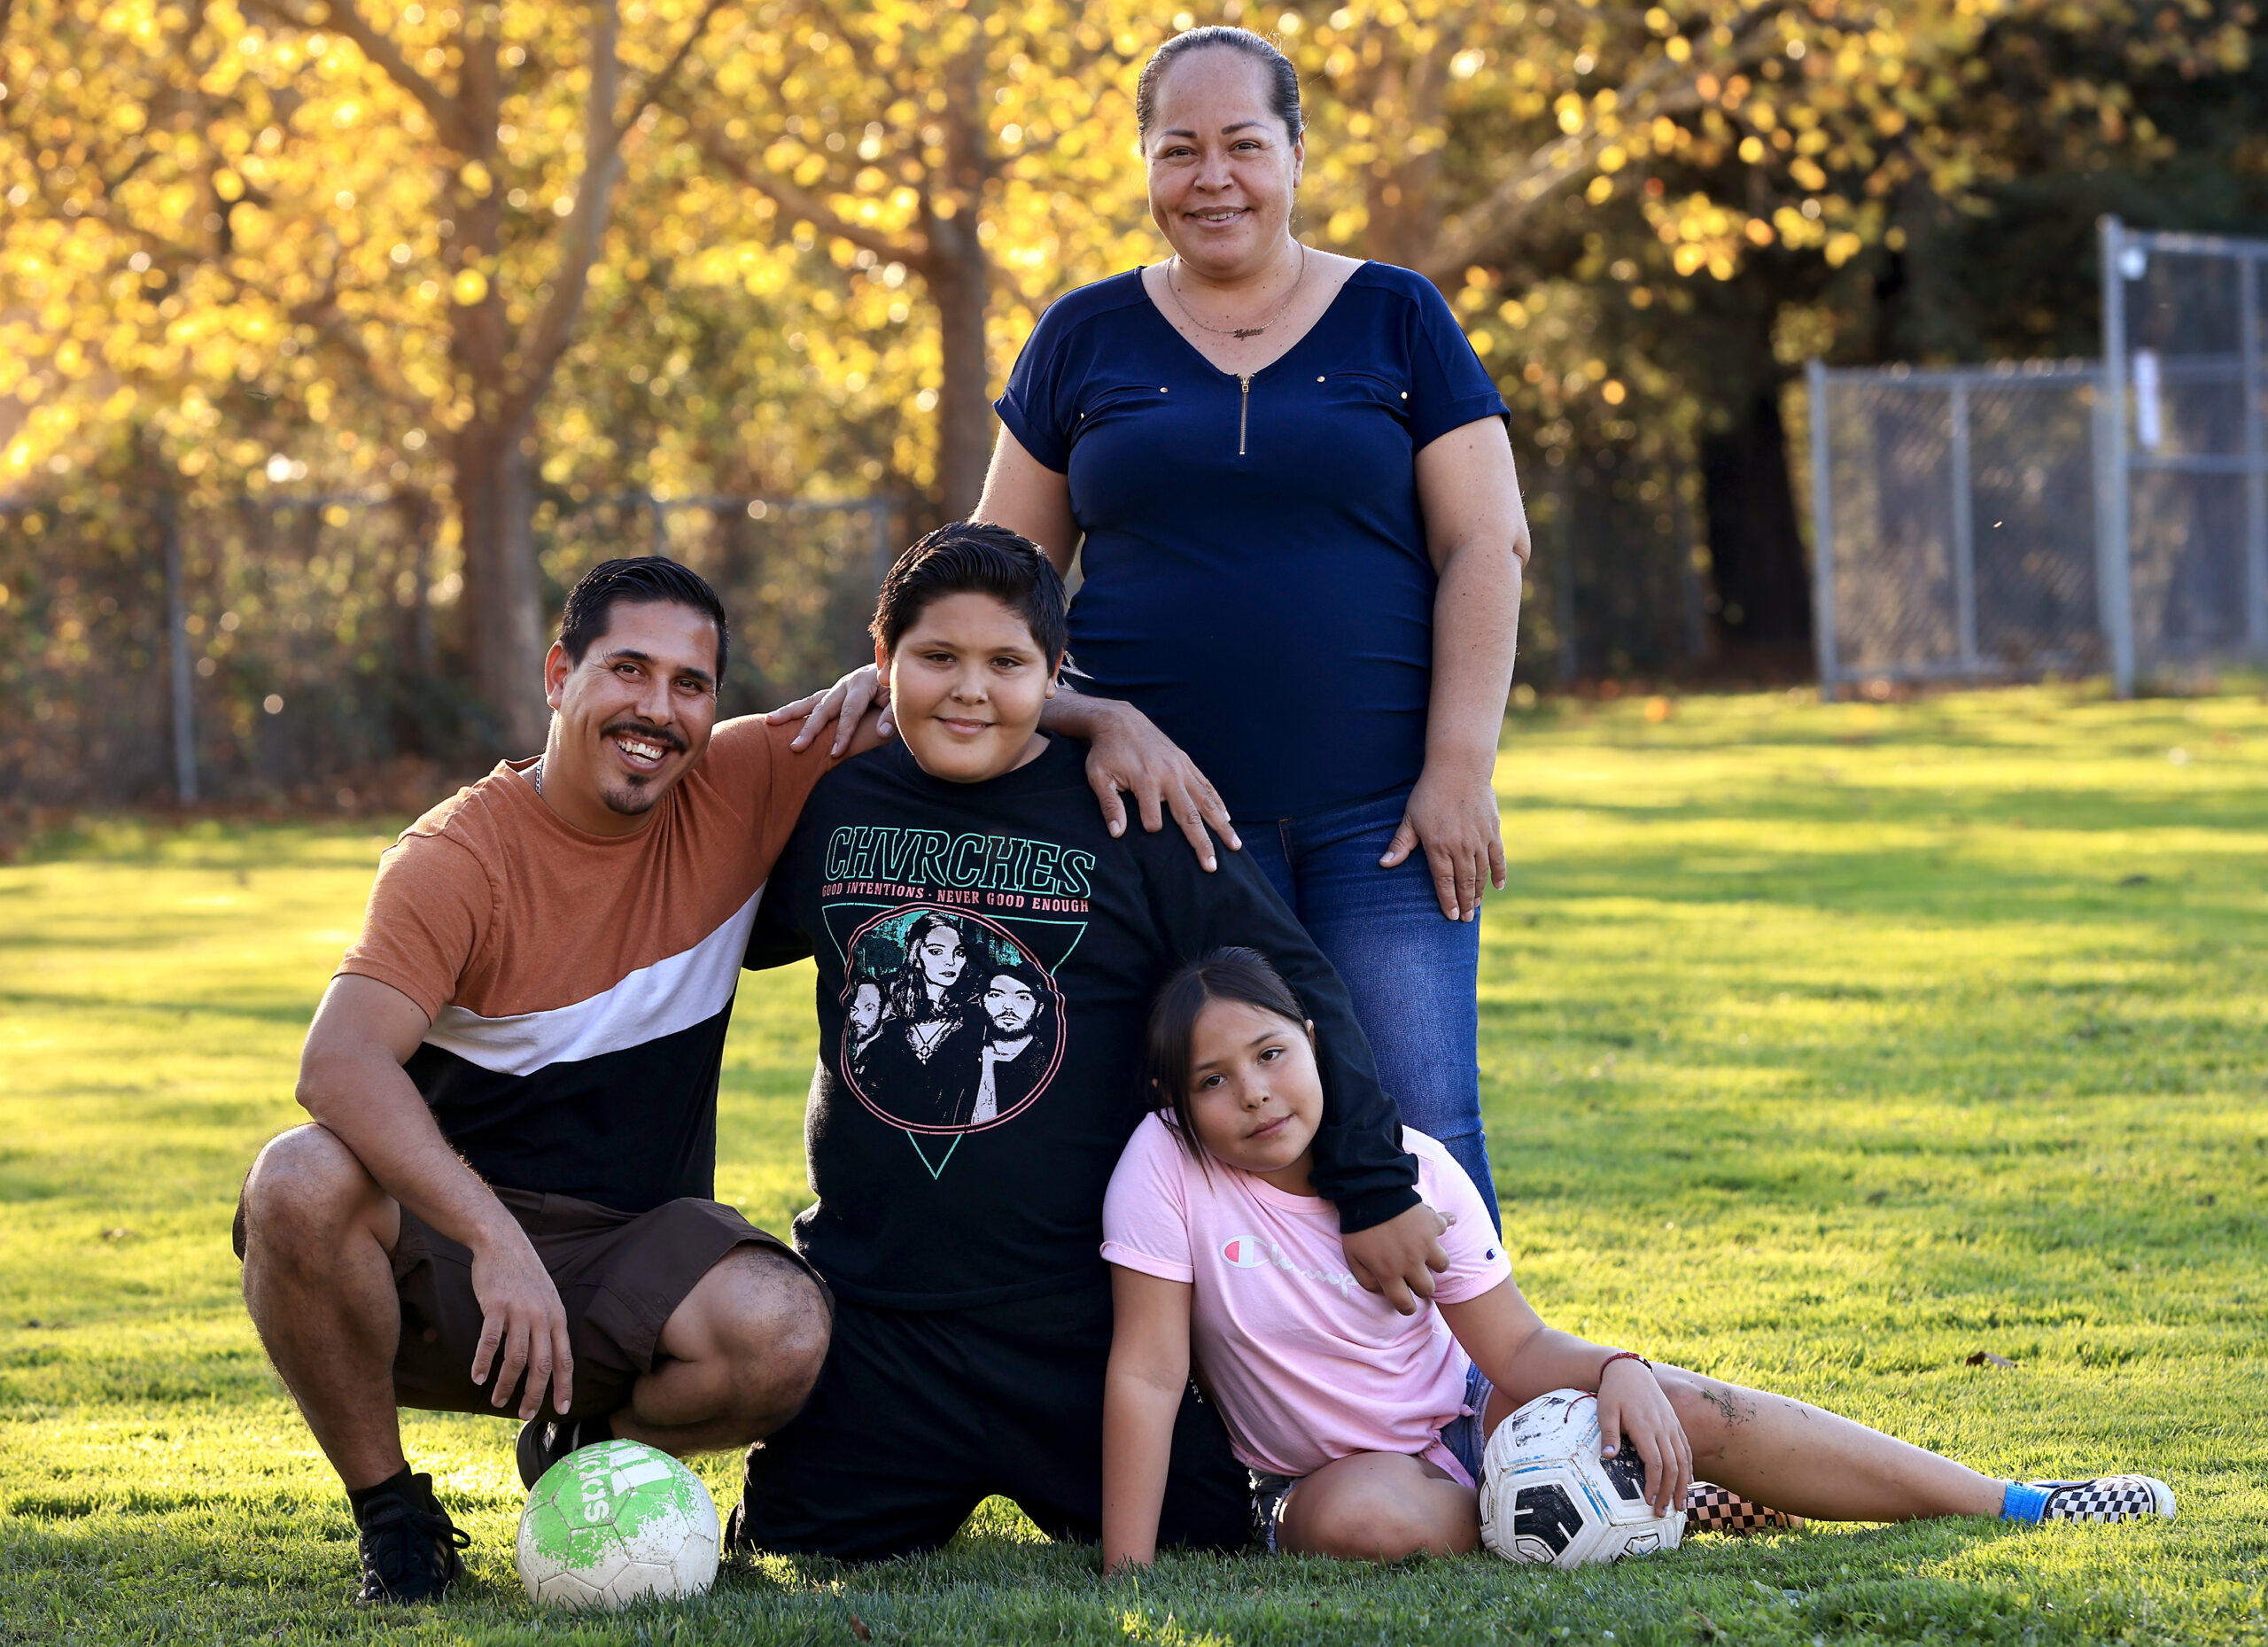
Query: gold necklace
[[1241, 332]]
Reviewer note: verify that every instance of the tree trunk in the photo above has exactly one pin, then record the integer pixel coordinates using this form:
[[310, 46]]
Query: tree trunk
[[1404, 192], [503, 619], [959, 278], [1756, 555]]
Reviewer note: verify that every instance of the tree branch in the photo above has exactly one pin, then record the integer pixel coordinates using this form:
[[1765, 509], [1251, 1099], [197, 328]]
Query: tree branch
[[334, 331], [657, 86], [1477, 233], [343, 18], [546, 338], [800, 202]]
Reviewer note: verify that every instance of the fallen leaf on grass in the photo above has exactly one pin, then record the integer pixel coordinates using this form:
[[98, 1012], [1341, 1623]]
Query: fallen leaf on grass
[[859, 1628], [1986, 1358], [118, 1234]]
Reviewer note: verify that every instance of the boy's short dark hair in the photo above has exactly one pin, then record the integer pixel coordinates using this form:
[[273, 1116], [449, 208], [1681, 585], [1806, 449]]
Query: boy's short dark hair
[[973, 558], [642, 580]]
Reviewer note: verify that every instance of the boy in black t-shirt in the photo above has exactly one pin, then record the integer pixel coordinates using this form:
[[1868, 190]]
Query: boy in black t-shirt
[[987, 956]]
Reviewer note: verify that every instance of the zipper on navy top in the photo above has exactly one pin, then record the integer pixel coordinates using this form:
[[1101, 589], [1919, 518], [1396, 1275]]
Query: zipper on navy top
[[1244, 408]]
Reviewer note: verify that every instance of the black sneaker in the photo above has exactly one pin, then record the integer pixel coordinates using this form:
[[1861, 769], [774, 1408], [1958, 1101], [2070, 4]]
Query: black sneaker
[[409, 1546], [545, 1441], [2106, 1498], [737, 1541]]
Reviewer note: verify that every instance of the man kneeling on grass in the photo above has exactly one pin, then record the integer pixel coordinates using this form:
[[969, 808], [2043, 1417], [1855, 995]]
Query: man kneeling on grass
[[987, 952], [505, 1202]]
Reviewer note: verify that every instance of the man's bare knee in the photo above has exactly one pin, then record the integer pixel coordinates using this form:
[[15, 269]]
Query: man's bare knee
[[307, 1190], [771, 1323], [785, 1320]]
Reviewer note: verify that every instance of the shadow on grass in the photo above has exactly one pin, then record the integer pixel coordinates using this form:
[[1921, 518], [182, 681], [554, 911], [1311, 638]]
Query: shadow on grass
[[234, 1569]]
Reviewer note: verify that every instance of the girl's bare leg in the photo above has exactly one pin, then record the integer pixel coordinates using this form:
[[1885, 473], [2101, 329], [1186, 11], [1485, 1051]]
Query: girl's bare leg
[[1808, 1462], [1378, 1507]]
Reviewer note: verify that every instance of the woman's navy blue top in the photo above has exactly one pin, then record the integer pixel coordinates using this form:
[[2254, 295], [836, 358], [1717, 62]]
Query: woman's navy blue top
[[1257, 581]]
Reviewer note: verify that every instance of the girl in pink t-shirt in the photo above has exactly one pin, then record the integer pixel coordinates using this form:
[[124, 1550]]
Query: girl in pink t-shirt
[[1363, 1429]]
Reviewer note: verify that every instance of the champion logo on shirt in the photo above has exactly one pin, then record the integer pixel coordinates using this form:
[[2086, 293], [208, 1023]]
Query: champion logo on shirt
[[1248, 1252]]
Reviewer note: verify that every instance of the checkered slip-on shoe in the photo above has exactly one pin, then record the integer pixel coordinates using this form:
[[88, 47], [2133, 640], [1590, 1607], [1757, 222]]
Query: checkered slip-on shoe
[[1710, 1508], [2105, 1498]]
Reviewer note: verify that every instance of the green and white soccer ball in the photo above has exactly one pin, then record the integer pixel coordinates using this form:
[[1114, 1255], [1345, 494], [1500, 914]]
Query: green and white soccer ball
[[615, 1523]]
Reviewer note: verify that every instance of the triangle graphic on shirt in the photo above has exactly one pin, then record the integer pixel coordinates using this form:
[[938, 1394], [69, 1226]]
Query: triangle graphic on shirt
[[844, 917], [1050, 942], [938, 1170]]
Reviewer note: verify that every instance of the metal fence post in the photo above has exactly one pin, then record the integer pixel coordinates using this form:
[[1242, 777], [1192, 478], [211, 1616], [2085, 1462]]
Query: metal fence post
[[878, 524], [1823, 531], [2114, 584], [1563, 580], [2256, 459], [1964, 527], [184, 726]]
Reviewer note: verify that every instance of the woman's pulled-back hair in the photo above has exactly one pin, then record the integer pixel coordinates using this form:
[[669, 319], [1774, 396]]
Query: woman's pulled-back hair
[[1283, 79], [1230, 974]]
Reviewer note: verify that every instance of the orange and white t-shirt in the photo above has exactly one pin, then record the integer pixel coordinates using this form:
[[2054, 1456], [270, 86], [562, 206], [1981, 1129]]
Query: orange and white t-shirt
[[580, 985]]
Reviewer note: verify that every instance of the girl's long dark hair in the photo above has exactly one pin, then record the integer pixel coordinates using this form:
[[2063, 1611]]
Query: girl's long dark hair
[[1230, 974], [908, 995]]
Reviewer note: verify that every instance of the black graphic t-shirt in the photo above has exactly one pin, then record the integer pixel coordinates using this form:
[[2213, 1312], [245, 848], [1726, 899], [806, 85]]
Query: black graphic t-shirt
[[986, 957]]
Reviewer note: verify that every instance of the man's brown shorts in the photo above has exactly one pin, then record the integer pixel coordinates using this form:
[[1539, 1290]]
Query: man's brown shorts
[[620, 1276]]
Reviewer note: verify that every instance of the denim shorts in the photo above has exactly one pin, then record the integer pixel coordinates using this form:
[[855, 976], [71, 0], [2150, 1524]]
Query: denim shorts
[[1465, 1436]]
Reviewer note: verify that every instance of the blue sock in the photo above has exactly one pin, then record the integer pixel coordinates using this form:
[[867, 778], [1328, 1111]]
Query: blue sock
[[2023, 1503]]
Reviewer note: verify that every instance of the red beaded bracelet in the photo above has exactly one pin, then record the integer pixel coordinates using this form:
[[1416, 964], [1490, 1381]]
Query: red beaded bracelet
[[1622, 1355]]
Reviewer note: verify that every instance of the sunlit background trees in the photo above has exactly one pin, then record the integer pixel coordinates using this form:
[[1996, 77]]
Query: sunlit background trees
[[455, 280]]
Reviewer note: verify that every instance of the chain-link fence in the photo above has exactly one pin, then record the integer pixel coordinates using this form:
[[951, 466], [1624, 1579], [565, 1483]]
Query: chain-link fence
[[1954, 522], [288, 649], [2186, 488], [2009, 520]]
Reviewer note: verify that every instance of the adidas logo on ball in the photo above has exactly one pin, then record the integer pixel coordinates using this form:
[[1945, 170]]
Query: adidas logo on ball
[[616, 1523]]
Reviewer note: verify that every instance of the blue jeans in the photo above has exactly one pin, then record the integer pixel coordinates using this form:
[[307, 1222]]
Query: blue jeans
[[1414, 973]]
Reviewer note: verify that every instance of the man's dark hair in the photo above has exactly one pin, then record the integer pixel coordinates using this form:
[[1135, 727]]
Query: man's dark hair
[[973, 558], [1283, 79], [640, 580]]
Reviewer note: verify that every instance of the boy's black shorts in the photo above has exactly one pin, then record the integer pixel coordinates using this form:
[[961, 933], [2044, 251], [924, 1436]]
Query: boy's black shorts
[[922, 1415]]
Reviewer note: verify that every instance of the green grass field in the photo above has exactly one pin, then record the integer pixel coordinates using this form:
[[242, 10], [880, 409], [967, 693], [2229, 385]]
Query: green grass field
[[1823, 1047]]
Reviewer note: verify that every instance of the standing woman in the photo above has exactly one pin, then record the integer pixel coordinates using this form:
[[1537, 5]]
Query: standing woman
[[1303, 550]]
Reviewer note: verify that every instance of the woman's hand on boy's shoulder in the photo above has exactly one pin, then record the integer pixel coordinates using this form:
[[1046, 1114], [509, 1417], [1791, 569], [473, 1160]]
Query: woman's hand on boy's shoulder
[[1399, 1259], [1128, 755]]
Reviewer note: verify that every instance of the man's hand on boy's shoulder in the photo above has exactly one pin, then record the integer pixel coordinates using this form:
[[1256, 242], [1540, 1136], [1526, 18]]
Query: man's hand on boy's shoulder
[[846, 707], [1400, 1258]]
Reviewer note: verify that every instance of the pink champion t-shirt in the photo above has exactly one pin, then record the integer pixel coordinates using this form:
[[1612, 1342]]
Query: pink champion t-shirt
[[1305, 1365]]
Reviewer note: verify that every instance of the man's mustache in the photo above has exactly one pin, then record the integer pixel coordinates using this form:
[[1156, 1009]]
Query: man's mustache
[[661, 735]]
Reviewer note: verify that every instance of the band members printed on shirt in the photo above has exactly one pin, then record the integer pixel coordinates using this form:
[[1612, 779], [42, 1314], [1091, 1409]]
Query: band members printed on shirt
[[862, 1023], [1011, 1062], [950, 1024]]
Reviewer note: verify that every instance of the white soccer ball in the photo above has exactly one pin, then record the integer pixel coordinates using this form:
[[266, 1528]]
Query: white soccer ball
[[1548, 1498], [613, 1523]]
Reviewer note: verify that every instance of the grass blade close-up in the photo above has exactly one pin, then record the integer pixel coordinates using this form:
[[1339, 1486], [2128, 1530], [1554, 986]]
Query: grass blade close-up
[[1826, 1048]]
